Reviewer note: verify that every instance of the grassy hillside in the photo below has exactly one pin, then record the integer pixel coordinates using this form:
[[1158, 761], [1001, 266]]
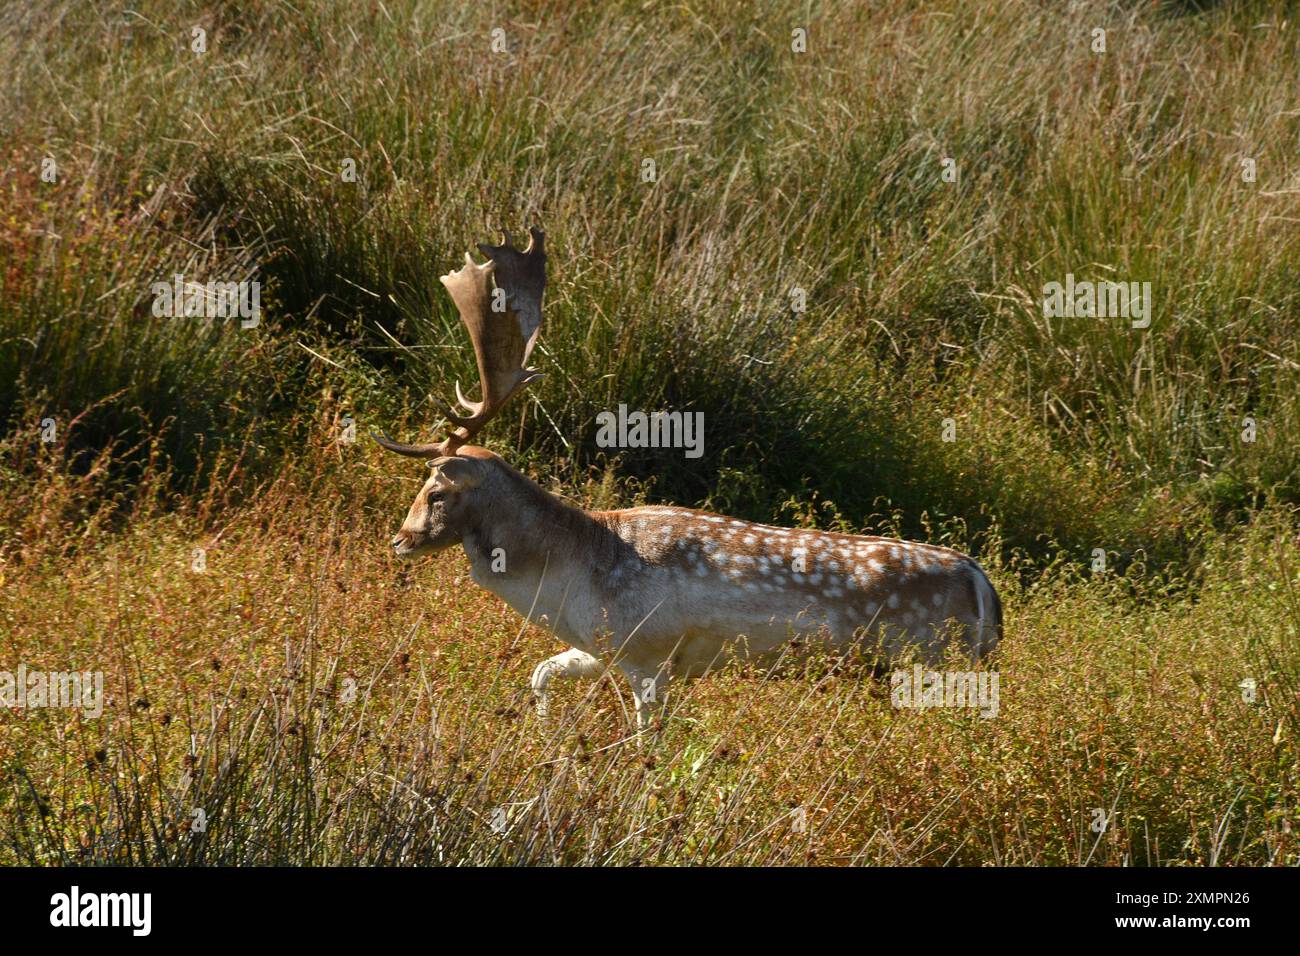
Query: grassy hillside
[[837, 254]]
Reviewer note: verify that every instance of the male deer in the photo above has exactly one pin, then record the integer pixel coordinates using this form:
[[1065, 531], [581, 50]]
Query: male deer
[[658, 591]]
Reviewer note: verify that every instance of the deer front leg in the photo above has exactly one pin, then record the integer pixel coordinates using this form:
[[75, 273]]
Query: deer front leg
[[647, 689], [569, 665]]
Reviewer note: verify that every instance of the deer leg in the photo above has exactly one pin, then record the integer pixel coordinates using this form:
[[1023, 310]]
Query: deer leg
[[569, 665], [647, 691]]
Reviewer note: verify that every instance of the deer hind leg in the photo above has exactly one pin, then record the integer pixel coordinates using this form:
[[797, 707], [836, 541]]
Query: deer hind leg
[[568, 665]]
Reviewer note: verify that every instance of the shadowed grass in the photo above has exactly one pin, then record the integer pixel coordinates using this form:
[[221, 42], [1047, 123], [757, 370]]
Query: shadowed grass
[[773, 170]]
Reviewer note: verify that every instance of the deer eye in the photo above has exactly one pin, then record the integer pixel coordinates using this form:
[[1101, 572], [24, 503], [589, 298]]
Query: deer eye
[[436, 496]]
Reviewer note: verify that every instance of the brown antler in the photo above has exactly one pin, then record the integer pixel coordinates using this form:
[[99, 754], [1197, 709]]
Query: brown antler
[[503, 323]]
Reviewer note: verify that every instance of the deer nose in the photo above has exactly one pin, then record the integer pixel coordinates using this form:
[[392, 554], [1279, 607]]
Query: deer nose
[[398, 542]]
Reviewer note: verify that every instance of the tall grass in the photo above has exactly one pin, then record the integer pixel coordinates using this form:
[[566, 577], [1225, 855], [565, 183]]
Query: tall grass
[[774, 170], [320, 706]]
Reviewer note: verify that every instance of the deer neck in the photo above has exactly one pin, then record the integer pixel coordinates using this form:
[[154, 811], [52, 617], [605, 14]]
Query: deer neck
[[537, 553]]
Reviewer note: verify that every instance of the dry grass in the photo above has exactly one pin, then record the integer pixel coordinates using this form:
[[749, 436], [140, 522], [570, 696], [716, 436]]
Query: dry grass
[[324, 704]]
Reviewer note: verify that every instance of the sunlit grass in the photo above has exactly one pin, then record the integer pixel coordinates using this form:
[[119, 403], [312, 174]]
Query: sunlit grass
[[773, 171], [321, 703]]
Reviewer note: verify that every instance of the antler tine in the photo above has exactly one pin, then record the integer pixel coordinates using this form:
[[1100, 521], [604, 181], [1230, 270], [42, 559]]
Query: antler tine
[[500, 303], [523, 277], [429, 450]]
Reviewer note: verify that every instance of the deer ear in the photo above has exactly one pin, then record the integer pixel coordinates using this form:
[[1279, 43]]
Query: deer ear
[[455, 474]]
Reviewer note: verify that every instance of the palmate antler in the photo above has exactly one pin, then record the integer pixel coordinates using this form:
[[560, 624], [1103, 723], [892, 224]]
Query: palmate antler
[[503, 337]]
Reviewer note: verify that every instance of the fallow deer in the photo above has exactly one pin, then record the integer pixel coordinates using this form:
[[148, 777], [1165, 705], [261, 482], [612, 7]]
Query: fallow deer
[[658, 591]]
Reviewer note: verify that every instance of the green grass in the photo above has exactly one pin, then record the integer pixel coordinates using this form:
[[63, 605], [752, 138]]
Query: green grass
[[774, 170]]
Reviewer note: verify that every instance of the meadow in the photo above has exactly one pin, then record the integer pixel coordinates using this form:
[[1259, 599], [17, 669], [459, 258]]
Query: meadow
[[828, 230]]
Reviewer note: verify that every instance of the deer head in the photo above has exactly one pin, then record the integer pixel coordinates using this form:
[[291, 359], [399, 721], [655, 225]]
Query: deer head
[[500, 303]]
